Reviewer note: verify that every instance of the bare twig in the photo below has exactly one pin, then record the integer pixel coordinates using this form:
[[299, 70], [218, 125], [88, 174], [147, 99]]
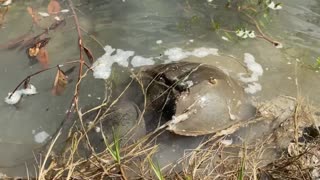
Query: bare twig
[[38, 72], [262, 35]]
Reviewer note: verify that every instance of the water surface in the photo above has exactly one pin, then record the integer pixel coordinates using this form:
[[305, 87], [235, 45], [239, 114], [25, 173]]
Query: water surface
[[137, 25]]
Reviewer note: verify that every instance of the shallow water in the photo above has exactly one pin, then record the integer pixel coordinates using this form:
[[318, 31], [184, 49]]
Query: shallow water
[[137, 25]]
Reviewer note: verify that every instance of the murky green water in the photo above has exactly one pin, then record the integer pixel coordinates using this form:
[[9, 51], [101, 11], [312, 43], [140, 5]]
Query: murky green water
[[137, 25]]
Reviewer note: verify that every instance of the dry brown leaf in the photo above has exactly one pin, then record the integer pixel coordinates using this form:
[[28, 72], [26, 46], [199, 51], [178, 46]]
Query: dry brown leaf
[[38, 47], [43, 57], [60, 83], [33, 51], [30, 11], [3, 14], [26, 83], [43, 42], [89, 54], [54, 7], [34, 15]]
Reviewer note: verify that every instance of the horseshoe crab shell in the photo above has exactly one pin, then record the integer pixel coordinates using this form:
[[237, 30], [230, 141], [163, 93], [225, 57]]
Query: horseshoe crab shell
[[204, 99]]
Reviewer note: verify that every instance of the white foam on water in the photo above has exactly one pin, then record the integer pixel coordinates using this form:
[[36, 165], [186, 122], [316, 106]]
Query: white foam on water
[[225, 38], [273, 5], [16, 96], [102, 67], [176, 54], [101, 70], [203, 52], [254, 67], [159, 41], [121, 57], [41, 137], [30, 90], [252, 88], [256, 71], [138, 61]]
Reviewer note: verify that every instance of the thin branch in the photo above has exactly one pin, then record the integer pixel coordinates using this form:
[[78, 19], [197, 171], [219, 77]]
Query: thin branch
[[38, 72], [275, 43]]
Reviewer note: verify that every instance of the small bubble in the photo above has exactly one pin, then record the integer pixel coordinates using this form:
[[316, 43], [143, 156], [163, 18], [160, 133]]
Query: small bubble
[[97, 129], [224, 38]]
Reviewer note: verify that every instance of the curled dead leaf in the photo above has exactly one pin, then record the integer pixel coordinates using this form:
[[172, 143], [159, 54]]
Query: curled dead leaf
[[54, 7], [26, 83], [43, 57], [30, 10], [3, 14], [35, 48], [60, 83], [89, 54], [33, 51], [43, 42], [34, 15]]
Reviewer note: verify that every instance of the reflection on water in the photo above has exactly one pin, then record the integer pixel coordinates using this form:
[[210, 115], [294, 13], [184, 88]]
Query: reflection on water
[[137, 25]]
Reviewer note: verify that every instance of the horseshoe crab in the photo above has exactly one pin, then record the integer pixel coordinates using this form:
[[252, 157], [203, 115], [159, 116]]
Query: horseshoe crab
[[188, 99], [192, 99], [200, 99]]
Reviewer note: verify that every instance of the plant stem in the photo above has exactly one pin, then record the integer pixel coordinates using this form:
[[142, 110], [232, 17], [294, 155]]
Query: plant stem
[[38, 72], [275, 43]]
